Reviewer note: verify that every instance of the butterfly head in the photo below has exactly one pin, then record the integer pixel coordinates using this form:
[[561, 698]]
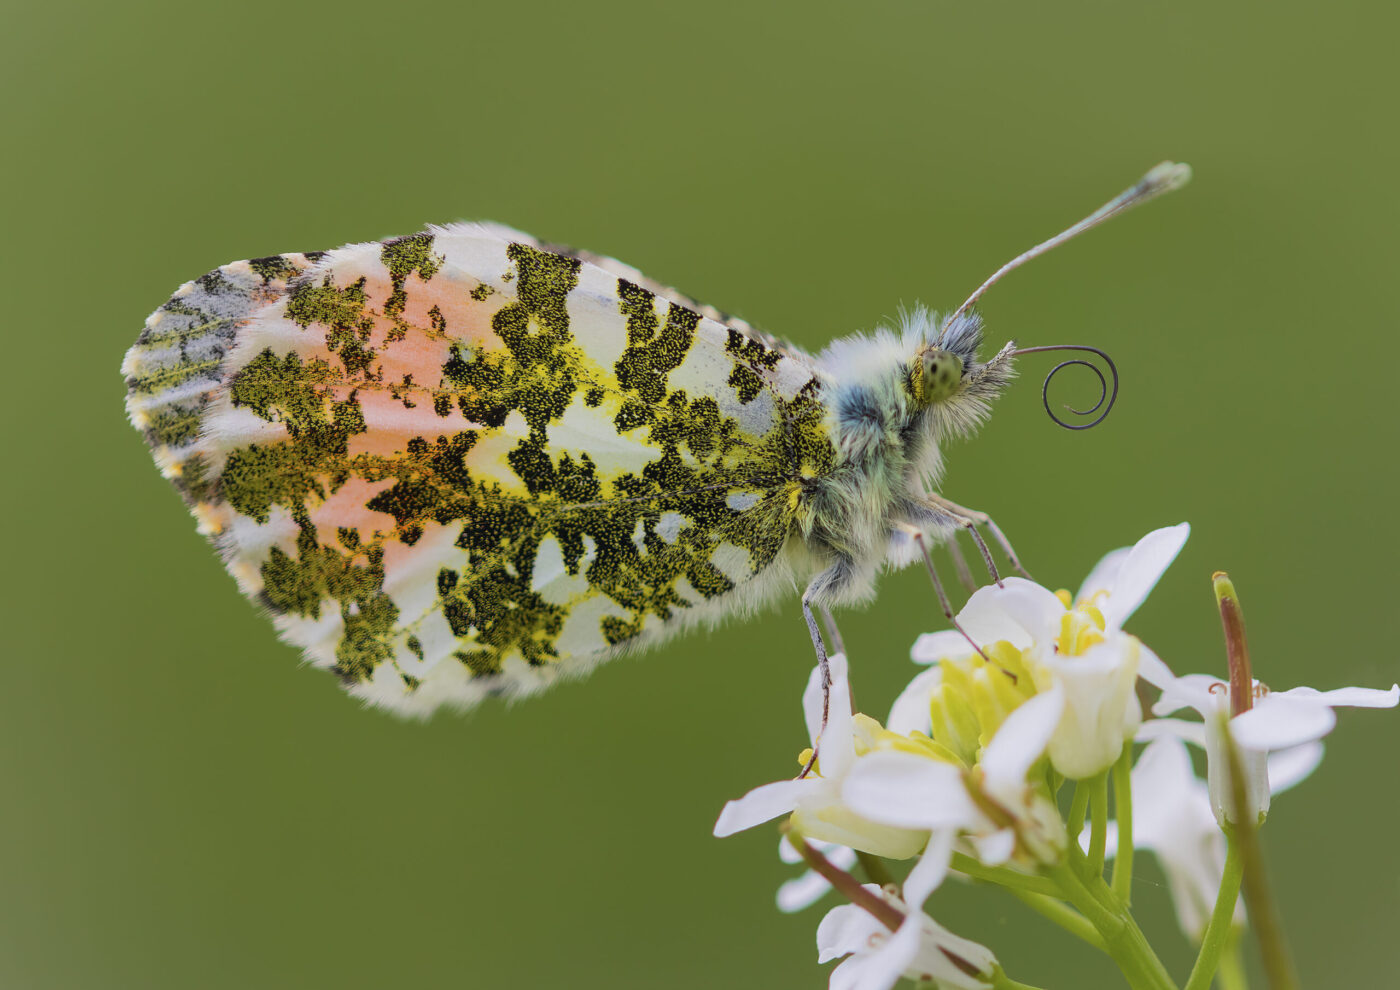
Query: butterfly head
[[943, 378], [935, 375]]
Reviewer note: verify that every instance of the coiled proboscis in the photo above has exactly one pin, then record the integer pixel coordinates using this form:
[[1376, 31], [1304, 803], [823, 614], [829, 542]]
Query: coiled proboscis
[[1107, 395]]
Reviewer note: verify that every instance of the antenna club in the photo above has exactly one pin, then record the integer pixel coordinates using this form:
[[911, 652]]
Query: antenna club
[[1167, 176]]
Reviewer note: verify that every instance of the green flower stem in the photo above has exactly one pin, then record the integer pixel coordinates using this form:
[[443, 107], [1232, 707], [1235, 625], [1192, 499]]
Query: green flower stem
[[1077, 807], [1066, 917], [1000, 981], [1231, 974], [1123, 939], [1268, 926], [1098, 805], [1221, 919], [1263, 909], [1123, 811], [1003, 877], [1091, 881]]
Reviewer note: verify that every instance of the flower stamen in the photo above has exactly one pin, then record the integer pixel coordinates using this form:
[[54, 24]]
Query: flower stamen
[[1080, 629]]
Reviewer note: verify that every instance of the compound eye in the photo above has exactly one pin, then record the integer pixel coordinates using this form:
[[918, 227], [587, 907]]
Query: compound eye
[[941, 374]]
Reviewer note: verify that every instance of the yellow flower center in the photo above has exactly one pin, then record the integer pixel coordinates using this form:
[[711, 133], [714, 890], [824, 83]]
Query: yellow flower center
[[971, 700], [1081, 627]]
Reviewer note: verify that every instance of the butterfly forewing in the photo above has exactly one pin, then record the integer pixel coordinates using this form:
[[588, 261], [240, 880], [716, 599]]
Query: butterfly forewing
[[460, 463]]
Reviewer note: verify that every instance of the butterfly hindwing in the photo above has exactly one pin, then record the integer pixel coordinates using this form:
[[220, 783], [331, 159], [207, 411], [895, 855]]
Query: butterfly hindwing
[[461, 463]]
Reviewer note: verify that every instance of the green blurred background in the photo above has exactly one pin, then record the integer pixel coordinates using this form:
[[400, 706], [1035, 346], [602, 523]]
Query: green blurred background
[[187, 807]]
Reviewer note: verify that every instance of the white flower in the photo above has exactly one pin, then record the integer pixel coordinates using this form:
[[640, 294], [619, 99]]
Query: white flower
[[1081, 649], [914, 791], [1278, 720], [1172, 817], [815, 800], [805, 890], [919, 949]]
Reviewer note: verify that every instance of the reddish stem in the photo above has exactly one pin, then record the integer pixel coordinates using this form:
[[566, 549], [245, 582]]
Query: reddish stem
[[1236, 646], [886, 913]]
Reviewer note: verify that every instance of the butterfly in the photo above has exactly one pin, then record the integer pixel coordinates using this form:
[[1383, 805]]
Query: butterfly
[[465, 463]]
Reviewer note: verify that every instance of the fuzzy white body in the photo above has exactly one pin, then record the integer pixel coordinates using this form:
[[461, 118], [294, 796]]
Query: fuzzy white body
[[889, 450]]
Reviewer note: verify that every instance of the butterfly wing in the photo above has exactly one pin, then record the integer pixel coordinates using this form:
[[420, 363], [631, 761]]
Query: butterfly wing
[[461, 463]]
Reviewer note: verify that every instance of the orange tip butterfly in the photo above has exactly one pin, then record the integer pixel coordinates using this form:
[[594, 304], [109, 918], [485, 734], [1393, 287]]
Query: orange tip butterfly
[[464, 463]]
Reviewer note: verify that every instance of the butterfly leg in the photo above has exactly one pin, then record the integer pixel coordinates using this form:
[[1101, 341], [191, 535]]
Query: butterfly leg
[[833, 634], [970, 519], [960, 566], [917, 536], [824, 666], [819, 589]]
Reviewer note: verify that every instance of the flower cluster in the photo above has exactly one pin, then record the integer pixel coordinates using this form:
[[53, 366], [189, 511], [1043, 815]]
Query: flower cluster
[[1036, 690]]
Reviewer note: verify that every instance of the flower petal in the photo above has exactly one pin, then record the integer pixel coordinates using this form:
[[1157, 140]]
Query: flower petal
[[825, 817], [846, 929], [1173, 728], [1141, 570], [930, 870], [935, 646], [1202, 692], [1022, 738], [1104, 575], [1029, 608], [987, 621], [882, 969], [1101, 709], [763, 804], [934, 961], [812, 695], [1289, 767], [850, 974], [909, 791], [1351, 697], [1277, 722], [996, 848], [801, 892], [910, 711], [1152, 670]]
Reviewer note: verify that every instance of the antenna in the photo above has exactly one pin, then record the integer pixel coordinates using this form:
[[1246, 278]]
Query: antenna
[[1163, 178]]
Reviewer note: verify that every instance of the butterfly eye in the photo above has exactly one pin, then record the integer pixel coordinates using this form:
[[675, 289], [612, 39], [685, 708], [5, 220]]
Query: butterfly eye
[[937, 374]]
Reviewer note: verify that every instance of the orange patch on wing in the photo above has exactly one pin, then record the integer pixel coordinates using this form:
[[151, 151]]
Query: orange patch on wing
[[411, 364], [390, 426], [461, 317], [347, 508]]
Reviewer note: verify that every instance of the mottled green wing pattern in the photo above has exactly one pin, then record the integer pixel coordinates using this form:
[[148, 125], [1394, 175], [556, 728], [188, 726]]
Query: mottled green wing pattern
[[177, 364], [460, 463]]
